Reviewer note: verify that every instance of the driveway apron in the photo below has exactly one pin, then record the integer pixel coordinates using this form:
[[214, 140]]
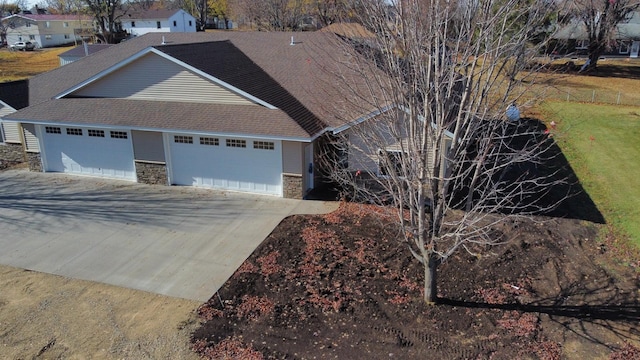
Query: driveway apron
[[177, 241]]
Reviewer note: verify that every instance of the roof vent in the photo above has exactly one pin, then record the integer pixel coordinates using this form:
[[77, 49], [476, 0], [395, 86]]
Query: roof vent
[[292, 42], [163, 42]]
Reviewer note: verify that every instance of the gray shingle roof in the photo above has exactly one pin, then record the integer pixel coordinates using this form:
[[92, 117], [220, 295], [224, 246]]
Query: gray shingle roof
[[299, 79], [78, 51], [177, 116]]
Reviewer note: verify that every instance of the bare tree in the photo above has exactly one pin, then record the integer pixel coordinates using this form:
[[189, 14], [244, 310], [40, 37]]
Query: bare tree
[[63, 6], [600, 19], [272, 15], [6, 9], [438, 144], [107, 13]]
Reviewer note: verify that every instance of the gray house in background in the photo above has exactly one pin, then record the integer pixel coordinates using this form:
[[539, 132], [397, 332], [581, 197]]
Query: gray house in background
[[81, 51], [241, 111], [626, 41]]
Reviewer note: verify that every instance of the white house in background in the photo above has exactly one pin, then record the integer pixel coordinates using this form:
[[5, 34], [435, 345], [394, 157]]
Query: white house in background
[[625, 41], [47, 30], [138, 23]]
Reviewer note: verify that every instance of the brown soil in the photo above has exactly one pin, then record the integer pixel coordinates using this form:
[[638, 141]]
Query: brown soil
[[341, 286]]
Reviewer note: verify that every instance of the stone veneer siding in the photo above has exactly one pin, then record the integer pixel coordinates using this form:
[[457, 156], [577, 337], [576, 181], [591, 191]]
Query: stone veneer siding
[[12, 153], [35, 161], [292, 184], [151, 173]]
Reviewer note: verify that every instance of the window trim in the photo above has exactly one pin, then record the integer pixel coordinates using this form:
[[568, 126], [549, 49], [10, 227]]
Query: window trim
[[95, 133], [114, 134], [75, 131], [209, 141], [264, 145], [183, 139], [52, 130], [236, 143]]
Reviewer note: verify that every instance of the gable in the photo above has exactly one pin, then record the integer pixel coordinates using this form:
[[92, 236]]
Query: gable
[[153, 77]]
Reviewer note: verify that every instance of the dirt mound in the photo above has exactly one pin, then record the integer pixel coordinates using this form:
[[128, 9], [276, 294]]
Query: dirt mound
[[342, 286]]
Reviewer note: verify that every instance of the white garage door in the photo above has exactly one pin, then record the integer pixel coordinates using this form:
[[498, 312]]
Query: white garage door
[[93, 152], [226, 163]]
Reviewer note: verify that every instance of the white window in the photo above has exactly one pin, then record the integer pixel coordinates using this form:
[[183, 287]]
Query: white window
[[189, 22], [67, 36], [175, 23], [264, 145], [183, 139], [65, 24], [47, 37], [236, 143], [95, 133], [32, 37], [53, 130], [133, 24], [119, 134], [209, 141], [74, 131], [28, 24], [158, 24], [47, 24]]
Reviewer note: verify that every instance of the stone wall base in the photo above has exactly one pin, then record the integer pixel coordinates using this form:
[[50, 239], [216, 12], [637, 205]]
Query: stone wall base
[[292, 186], [11, 153], [151, 173], [35, 161]]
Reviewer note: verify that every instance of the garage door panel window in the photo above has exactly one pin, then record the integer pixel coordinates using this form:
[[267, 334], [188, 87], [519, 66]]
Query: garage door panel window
[[237, 143], [53, 130], [264, 145], [181, 139], [119, 135], [74, 131], [95, 133], [209, 141]]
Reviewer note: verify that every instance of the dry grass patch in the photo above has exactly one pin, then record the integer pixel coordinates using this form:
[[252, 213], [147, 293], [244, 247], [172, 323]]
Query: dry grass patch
[[18, 65]]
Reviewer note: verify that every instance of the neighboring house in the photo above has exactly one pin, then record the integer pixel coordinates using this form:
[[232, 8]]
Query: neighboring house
[[13, 96], [47, 30], [243, 111], [81, 51], [138, 23], [626, 41]]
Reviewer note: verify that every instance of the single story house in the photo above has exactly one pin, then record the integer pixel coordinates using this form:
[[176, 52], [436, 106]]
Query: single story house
[[626, 41], [81, 51], [47, 30], [241, 111], [137, 23]]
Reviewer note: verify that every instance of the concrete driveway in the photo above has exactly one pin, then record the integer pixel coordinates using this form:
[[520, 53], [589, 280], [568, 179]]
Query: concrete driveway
[[176, 241]]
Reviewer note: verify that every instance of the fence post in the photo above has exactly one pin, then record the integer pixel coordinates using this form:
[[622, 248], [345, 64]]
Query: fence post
[[593, 96], [568, 95], [618, 100]]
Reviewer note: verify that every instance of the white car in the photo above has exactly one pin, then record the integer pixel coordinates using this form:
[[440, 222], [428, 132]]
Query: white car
[[23, 45]]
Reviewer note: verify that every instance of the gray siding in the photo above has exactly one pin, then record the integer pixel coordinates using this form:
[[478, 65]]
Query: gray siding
[[155, 78], [292, 157], [148, 146], [30, 139], [11, 133]]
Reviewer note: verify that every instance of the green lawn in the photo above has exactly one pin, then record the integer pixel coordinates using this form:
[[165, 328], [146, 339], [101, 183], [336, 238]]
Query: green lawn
[[602, 143]]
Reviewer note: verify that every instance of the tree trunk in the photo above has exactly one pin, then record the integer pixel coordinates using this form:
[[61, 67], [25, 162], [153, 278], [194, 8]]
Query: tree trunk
[[430, 283]]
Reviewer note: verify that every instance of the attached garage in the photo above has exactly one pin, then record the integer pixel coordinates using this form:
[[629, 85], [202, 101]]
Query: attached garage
[[239, 164], [86, 151]]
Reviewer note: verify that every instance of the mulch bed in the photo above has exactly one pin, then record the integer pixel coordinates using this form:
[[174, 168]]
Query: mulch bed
[[342, 286]]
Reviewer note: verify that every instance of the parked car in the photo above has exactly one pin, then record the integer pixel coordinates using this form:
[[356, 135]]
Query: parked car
[[23, 45]]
